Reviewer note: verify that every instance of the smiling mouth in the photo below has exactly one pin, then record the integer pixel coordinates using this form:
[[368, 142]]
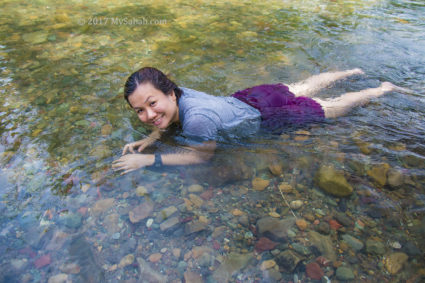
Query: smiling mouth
[[157, 121]]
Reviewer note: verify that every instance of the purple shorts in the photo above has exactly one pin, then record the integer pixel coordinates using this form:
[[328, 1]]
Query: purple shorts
[[280, 108]]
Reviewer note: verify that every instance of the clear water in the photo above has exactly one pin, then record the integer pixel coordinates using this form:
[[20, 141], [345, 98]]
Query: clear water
[[65, 215]]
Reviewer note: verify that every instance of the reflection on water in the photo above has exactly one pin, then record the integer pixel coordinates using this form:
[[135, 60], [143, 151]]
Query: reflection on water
[[342, 200]]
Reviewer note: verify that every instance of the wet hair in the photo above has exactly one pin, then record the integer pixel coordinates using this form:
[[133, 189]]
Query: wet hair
[[154, 76]]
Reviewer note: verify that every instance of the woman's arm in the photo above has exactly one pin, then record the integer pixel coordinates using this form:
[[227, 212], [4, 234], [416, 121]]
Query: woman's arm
[[190, 155]]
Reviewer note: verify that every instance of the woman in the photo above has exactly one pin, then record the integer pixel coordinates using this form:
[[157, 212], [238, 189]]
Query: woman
[[207, 119]]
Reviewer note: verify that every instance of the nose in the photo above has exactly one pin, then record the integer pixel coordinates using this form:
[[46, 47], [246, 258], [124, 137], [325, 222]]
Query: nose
[[150, 114]]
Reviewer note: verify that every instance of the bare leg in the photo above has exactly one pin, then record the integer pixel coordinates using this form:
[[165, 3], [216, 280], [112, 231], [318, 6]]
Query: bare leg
[[311, 85], [340, 106]]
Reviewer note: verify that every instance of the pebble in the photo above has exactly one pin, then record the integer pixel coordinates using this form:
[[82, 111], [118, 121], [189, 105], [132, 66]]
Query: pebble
[[353, 242], [276, 228], [140, 212], [267, 264], [59, 278], [237, 212], [18, 263], [127, 260], [324, 244], [155, 257], [195, 189], [344, 273], [314, 271], [274, 214], [260, 184], [296, 204], [176, 252], [375, 247], [165, 213], [70, 268], [395, 245], [102, 205], [192, 277], [141, 191], [42, 261], [288, 260], [194, 226], [264, 244], [196, 200], [169, 224], [301, 224], [149, 222], [285, 187], [333, 182]]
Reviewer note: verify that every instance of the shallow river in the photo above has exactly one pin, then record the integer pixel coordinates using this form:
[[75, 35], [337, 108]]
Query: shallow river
[[260, 211]]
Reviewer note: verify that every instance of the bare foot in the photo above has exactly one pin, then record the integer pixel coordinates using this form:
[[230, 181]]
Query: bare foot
[[387, 86]]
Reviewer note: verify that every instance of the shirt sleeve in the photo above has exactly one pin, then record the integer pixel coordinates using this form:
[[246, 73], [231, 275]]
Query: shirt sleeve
[[200, 127]]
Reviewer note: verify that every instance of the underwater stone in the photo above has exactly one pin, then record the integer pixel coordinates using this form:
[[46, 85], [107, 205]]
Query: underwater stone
[[231, 265], [274, 228], [140, 212], [379, 173], [395, 261], [70, 220], [375, 247], [344, 273], [323, 243], [333, 182], [288, 260], [353, 242]]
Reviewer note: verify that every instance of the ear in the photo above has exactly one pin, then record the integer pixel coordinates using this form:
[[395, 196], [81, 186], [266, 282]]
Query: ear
[[173, 95]]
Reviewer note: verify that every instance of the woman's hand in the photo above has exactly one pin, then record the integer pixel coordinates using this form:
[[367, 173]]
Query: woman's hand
[[142, 144], [131, 162]]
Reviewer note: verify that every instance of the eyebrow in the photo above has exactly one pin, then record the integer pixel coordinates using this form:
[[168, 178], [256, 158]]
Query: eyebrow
[[143, 102]]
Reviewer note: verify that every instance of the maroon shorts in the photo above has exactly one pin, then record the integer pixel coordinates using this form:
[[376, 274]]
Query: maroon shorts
[[280, 108]]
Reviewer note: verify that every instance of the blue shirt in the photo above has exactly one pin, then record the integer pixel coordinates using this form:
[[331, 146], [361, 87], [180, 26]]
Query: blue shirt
[[206, 117]]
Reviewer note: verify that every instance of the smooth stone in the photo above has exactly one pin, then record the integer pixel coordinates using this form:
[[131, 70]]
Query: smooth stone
[[353, 242], [230, 266], [394, 262], [70, 220], [196, 200], [344, 273], [35, 37], [288, 260], [148, 274], [379, 173], [264, 244], [259, 184], [165, 213], [102, 205], [70, 268], [296, 204], [324, 244], [267, 264], [333, 182], [323, 228], [301, 224], [395, 178], [195, 189], [18, 263], [155, 257], [170, 223], [141, 191], [194, 226], [301, 249], [244, 220], [127, 260], [192, 277], [314, 271], [59, 278], [111, 223], [343, 219], [375, 247], [141, 212], [275, 229]]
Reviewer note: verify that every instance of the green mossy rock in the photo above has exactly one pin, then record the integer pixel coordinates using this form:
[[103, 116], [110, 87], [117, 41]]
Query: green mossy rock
[[333, 182]]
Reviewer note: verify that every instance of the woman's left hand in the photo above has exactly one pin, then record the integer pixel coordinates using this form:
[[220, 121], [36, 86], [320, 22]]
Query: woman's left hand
[[131, 162]]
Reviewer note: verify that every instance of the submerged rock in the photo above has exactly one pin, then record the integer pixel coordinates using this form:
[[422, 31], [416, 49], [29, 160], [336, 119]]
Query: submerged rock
[[323, 243], [260, 184], [333, 182], [148, 274], [344, 273], [274, 228], [288, 260], [102, 205], [395, 261], [379, 173], [375, 247], [230, 266], [140, 212], [353, 242]]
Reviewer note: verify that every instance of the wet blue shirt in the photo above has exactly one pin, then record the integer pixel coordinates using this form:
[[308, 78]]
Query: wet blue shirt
[[206, 117]]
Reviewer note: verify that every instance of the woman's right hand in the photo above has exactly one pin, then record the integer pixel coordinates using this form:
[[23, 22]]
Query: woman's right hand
[[140, 145]]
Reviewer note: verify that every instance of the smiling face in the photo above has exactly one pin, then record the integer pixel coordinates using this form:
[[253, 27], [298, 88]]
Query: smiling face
[[154, 107]]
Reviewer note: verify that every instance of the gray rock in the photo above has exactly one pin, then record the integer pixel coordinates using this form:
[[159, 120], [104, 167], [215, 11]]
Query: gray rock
[[194, 226], [375, 247], [353, 242], [301, 249], [169, 223], [275, 229], [323, 228], [344, 273], [343, 219], [141, 212], [70, 220], [244, 220], [288, 260], [323, 243], [165, 214], [148, 274], [230, 266]]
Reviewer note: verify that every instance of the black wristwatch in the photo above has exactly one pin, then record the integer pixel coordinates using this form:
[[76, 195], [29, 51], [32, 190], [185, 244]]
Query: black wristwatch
[[158, 161]]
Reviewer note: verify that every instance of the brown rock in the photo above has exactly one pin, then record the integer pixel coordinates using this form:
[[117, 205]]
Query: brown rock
[[301, 224], [379, 173], [314, 271], [333, 182], [276, 168], [196, 200], [260, 184], [155, 257], [102, 205], [192, 277], [395, 178], [394, 262], [237, 212], [140, 212], [267, 264], [264, 244]]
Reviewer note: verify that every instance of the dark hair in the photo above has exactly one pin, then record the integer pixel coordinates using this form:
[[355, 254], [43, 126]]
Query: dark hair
[[154, 76]]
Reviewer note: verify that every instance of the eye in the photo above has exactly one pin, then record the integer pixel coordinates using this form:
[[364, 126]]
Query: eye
[[153, 103], [138, 111]]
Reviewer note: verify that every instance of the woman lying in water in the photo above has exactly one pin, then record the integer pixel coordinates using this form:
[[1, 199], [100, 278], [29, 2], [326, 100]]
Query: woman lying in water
[[207, 119]]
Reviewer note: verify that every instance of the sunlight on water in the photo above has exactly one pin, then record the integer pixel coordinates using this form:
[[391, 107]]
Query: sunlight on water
[[259, 212]]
